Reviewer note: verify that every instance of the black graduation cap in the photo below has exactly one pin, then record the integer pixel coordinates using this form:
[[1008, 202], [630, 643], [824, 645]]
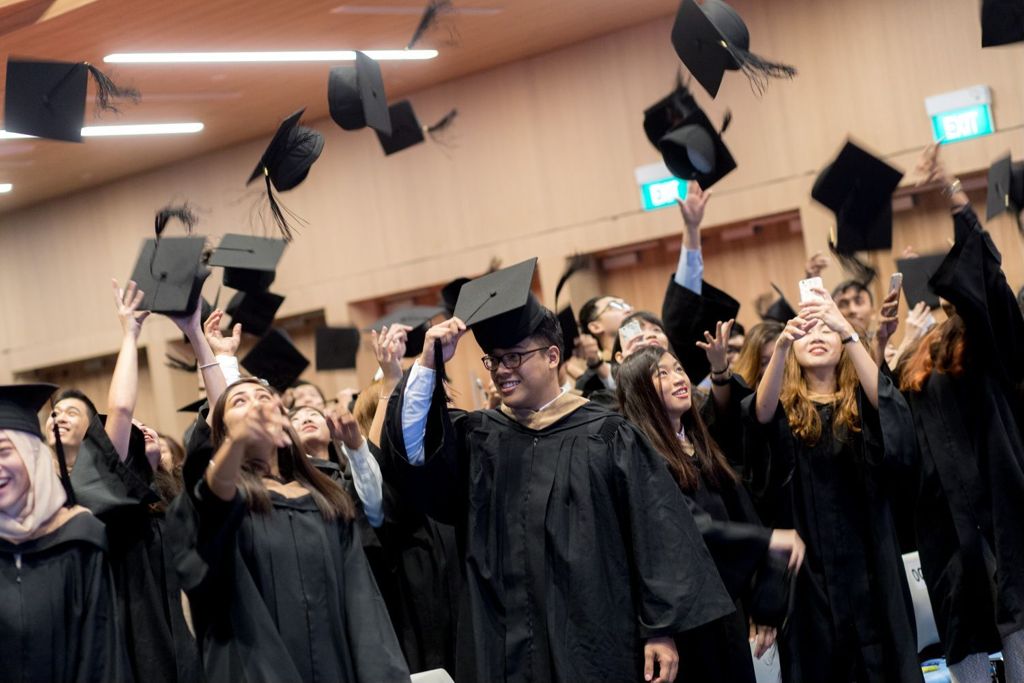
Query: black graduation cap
[[450, 294], [20, 405], [355, 95], [170, 272], [286, 162], [1002, 22], [780, 310], [255, 311], [47, 99], [192, 407], [406, 129], [858, 187], [916, 274], [416, 317], [1005, 187], [336, 347], [249, 262], [711, 38], [690, 145], [499, 307], [275, 359]]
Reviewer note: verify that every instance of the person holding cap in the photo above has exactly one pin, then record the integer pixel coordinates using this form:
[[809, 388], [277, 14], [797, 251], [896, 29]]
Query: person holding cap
[[58, 615], [582, 559]]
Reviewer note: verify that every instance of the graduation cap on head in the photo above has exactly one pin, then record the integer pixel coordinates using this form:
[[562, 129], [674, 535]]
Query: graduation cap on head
[[711, 39], [690, 145], [255, 311], [275, 359], [780, 310], [250, 263], [499, 307], [1002, 22], [916, 274], [1005, 187], [286, 163], [47, 99], [355, 95], [858, 187], [20, 405], [336, 347], [416, 317], [406, 129], [193, 407]]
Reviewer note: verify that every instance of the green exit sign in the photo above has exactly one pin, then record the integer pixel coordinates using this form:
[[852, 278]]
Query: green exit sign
[[963, 124], [661, 193]]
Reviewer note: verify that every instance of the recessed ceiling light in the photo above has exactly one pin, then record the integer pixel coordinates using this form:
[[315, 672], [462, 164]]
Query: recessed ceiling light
[[262, 57], [124, 130], [5, 188]]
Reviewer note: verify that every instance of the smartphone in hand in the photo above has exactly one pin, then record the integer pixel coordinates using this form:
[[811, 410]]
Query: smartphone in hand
[[895, 282], [807, 288]]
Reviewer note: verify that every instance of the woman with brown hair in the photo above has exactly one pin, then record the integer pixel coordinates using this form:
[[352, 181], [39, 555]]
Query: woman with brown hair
[[757, 351], [827, 427], [278, 583], [963, 383], [654, 392]]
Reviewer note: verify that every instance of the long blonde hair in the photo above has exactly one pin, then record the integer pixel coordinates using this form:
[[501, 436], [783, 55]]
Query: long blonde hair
[[801, 413]]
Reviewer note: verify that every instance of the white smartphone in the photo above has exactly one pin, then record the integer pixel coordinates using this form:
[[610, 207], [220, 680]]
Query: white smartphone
[[895, 282], [806, 289], [628, 332]]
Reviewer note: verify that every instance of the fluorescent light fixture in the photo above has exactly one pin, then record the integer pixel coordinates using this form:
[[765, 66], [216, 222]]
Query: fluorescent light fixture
[[124, 130], [255, 57], [5, 188]]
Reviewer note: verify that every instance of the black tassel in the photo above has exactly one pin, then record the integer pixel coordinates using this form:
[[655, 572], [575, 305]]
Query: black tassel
[[438, 132], [108, 90], [758, 69], [62, 462], [175, 363], [429, 18], [577, 263], [862, 272], [726, 120], [183, 213], [278, 212], [440, 391]]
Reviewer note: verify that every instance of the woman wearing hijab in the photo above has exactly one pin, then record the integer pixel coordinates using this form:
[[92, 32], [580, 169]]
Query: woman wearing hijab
[[58, 616]]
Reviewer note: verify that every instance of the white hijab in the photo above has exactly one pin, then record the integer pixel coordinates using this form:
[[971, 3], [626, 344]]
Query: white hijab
[[45, 495]]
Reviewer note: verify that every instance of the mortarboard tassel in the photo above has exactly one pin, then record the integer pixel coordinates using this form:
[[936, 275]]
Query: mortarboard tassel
[[62, 462], [429, 18], [438, 131], [862, 272], [726, 120], [577, 263], [440, 390], [758, 69], [278, 213], [108, 90], [183, 213], [175, 363]]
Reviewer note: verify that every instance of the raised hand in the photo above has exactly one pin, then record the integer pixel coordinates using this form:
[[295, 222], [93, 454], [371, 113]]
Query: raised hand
[[261, 424], [127, 302], [344, 428], [219, 344], [919, 321], [816, 264], [929, 166], [191, 323], [823, 308], [717, 347], [692, 208], [389, 348], [448, 333], [887, 314], [795, 329], [587, 349]]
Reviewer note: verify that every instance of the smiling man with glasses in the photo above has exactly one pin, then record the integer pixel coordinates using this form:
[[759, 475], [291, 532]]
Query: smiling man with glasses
[[582, 559]]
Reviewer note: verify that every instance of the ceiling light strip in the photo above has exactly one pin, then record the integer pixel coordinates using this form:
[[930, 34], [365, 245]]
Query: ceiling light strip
[[263, 57], [121, 130]]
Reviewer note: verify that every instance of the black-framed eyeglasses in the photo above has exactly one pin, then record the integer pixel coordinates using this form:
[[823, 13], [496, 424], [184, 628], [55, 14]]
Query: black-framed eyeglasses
[[511, 360]]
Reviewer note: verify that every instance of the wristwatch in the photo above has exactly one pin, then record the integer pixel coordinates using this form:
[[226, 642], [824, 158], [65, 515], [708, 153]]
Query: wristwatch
[[854, 337]]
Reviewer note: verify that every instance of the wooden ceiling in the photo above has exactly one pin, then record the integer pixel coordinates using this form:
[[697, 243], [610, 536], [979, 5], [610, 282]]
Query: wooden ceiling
[[245, 101]]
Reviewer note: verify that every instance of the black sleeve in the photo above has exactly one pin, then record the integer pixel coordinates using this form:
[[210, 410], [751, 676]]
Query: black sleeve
[[198, 451], [201, 533], [737, 548], [972, 279], [104, 483], [889, 432], [725, 424], [438, 486], [687, 315], [769, 462]]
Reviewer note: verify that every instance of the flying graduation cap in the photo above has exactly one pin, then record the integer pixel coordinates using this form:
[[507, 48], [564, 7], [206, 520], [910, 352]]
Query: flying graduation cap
[[286, 162], [917, 272], [336, 347], [249, 262], [711, 39], [780, 310], [499, 307], [416, 317], [858, 188], [275, 359], [1002, 22], [355, 96], [47, 99], [406, 130], [170, 270], [689, 144], [254, 311], [1005, 188]]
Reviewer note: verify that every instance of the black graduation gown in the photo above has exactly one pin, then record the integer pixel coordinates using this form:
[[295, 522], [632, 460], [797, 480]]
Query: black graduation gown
[[726, 424], [687, 315], [58, 620], [852, 616], [160, 646], [578, 545], [970, 508]]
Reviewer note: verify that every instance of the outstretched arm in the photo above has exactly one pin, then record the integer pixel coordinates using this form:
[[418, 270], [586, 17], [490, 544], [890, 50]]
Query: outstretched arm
[[124, 384], [771, 384]]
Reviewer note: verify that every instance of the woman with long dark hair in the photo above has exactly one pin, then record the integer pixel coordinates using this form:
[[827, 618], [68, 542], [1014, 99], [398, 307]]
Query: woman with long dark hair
[[827, 427], [654, 392], [963, 382], [277, 580]]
